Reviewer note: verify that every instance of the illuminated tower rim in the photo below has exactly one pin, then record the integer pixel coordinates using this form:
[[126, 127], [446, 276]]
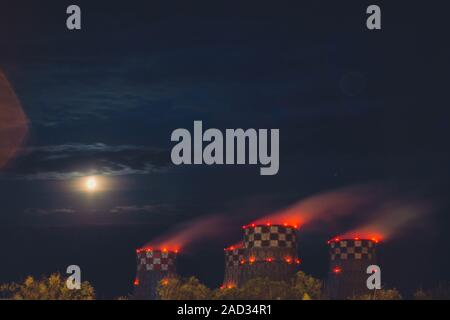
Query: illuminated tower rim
[[339, 239], [153, 266], [147, 249], [268, 224]]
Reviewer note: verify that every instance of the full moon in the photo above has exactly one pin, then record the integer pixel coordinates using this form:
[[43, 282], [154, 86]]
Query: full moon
[[91, 184]]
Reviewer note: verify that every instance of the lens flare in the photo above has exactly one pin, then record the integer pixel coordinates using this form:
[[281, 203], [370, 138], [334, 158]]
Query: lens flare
[[13, 122]]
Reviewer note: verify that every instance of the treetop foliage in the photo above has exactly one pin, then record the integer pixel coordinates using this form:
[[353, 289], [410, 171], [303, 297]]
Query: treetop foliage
[[46, 288]]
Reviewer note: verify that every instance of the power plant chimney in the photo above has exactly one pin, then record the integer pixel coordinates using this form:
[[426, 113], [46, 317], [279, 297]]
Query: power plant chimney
[[349, 259], [270, 252], [234, 257], [152, 267]]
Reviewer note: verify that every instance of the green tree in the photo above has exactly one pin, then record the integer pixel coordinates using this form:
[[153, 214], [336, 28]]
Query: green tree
[[382, 294], [306, 297], [421, 295], [440, 292], [306, 285], [183, 289], [47, 288], [301, 287], [226, 294], [265, 289]]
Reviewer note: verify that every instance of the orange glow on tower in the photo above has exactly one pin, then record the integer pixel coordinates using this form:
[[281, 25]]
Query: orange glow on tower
[[337, 270], [355, 238], [269, 224]]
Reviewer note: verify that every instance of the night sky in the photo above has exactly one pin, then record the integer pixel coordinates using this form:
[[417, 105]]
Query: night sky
[[353, 107]]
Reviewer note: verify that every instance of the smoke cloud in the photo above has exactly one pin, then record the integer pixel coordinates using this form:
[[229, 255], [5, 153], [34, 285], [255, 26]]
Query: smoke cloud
[[328, 205], [379, 211], [189, 233], [393, 218]]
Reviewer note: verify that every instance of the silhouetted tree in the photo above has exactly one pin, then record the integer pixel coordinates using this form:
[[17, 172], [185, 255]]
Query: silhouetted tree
[[302, 287], [440, 292], [47, 288], [226, 294], [265, 289], [382, 294], [307, 287], [183, 289]]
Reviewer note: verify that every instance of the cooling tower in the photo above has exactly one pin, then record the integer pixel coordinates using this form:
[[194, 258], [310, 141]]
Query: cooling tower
[[234, 256], [270, 252], [349, 259], [152, 267]]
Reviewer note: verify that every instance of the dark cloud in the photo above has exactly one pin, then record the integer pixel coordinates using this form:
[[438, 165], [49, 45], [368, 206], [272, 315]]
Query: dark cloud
[[148, 208], [156, 208], [45, 212], [78, 160], [62, 93]]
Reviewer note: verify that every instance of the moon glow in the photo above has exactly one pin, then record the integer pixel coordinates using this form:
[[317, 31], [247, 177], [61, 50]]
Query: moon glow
[[91, 184]]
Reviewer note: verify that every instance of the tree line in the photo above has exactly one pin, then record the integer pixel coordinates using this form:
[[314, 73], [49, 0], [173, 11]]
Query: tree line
[[301, 287]]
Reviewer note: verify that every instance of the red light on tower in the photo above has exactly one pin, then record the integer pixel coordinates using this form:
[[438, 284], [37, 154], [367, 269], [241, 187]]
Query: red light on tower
[[136, 282], [337, 270]]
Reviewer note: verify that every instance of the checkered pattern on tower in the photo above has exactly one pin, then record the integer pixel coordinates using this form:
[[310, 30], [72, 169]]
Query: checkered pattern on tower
[[156, 260], [234, 257], [263, 236], [350, 249]]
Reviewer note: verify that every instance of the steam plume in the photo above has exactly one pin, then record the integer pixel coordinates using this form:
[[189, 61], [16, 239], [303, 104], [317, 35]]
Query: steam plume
[[327, 206], [391, 218], [189, 233]]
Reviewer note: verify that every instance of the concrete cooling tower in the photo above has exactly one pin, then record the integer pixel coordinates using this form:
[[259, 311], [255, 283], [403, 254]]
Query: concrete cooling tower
[[152, 267], [349, 259], [234, 258], [270, 252]]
